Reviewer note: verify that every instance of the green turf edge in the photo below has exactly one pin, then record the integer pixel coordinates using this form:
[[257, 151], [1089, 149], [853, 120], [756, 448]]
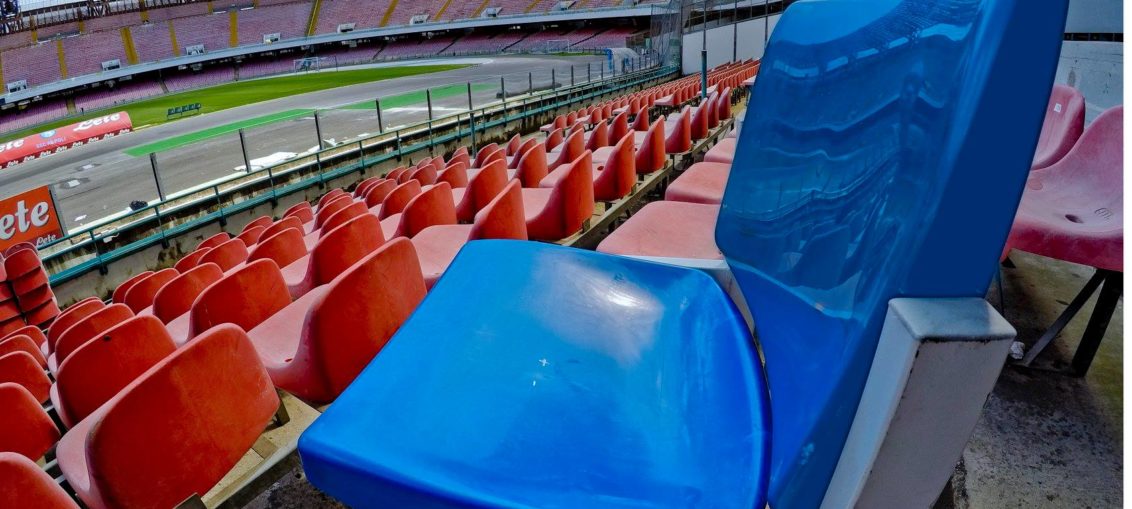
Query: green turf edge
[[418, 96], [152, 111], [212, 132]]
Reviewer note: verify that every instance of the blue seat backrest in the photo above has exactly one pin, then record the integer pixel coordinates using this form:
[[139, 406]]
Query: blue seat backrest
[[884, 153]]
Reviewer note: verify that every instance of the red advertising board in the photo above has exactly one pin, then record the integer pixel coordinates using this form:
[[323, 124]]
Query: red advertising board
[[57, 140], [29, 217]]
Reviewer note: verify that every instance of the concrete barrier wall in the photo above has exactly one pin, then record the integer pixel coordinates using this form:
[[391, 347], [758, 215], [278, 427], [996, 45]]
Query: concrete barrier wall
[[728, 43]]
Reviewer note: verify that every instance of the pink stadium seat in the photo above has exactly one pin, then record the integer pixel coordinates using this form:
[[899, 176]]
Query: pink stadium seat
[[667, 229], [363, 186], [397, 199], [26, 429], [701, 183], [21, 368], [339, 202], [27, 485], [1073, 210], [513, 160], [23, 343], [483, 153], [315, 346], [227, 256], [282, 248], [461, 156], [560, 211], [532, 166], [190, 260], [140, 296], [700, 121], [334, 253], [513, 145], [119, 295], [378, 192], [329, 196], [678, 133], [201, 408], [1064, 122], [503, 218], [98, 370], [598, 137], [568, 151], [722, 152], [432, 206], [339, 218], [85, 330]]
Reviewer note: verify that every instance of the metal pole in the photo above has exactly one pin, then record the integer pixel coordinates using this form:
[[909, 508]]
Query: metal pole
[[571, 75], [703, 53], [589, 72], [553, 79], [735, 32], [157, 178], [244, 151], [317, 132], [380, 125], [530, 83], [469, 96], [503, 90], [428, 98], [766, 24]]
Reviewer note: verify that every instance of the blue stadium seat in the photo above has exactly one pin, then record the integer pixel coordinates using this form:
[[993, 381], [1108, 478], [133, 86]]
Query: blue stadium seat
[[538, 376]]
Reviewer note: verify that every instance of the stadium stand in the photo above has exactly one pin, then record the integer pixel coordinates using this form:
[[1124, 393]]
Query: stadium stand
[[35, 113], [85, 53], [484, 43], [119, 94], [265, 68], [178, 11], [186, 80], [153, 41], [50, 31], [287, 20], [414, 48], [38, 64], [213, 31], [363, 14], [112, 22]]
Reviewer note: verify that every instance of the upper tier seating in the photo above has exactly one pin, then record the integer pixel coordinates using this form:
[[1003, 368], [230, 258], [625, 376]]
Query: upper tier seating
[[38, 64], [153, 41], [287, 20], [362, 13], [85, 53], [211, 30]]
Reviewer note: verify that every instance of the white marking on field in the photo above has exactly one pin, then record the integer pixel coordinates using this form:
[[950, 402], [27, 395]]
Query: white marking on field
[[263, 162]]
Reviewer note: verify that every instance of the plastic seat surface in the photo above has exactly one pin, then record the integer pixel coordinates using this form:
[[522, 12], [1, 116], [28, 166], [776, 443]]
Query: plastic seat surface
[[22, 343], [647, 410], [1064, 122], [722, 152], [667, 229], [701, 183], [202, 408], [85, 330], [27, 485], [21, 368], [1074, 210], [141, 294], [26, 429]]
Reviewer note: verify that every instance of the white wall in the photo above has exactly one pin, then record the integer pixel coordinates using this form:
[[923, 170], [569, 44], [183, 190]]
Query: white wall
[[727, 43], [1097, 70], [1095, 16]]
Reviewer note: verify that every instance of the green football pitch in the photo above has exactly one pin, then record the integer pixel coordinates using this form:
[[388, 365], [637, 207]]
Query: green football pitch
[[229, 95]]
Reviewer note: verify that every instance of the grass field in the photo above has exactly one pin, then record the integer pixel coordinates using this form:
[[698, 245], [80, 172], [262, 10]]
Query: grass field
[[230, 95], [418, 96]]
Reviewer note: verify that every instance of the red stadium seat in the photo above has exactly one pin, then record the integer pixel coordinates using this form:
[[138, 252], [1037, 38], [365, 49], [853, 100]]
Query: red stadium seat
[[33, 333], [119, 295], [461, 156], [98, 370], [11, 324], [173, 302], [245, 298], [252, 235], [280, 225], [140, 296], [700, 122], [339, 202], [26, 429], [42, 314], [20, 263], [598, 137], [560, 211], [723, 107], [282, 248], [301, 211], [176, 430], [620, 127], [701, 183], [503, 218], [190, 260], [396, 174], [22, 343], [554, 139], [667, 229], [513, 145], [1063, 125], [27, 485], [378, 192], [615, 179], [363, 186], [21, 368], [456, 175], [339, 218], [334, 253], [213, 241], [425, 175], [227, 256], [568, 151], [263, 221], [722, 152], [397, 199], [483, 187], [641, 122], [678, 133], [73, 314], [85, 330], [328, 197], [513, 160], [484, 153], [316, 346], [532, 166], [431, 207]]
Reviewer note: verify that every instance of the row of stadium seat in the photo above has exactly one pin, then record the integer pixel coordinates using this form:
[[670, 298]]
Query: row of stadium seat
[[301, 303]]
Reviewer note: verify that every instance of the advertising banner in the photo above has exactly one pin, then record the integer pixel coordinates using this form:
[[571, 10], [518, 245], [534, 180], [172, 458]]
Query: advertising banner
[[30, 216], [57, 140]]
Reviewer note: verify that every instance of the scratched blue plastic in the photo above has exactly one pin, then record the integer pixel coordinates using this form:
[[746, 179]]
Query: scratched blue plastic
[[883, 154], [540, 376]]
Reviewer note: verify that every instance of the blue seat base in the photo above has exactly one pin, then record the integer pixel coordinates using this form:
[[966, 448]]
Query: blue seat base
[[540, 376]]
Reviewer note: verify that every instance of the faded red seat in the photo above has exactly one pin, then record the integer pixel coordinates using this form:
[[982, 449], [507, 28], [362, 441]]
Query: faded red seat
[[513, 160], [9, 311], [27, 485], [397, 199], [283, 248], [339, 218], [33, 333], [701, 183], [301, 211], [502, 218], [176, 430], [213, 241], [560, 211], [432, 206], [334, 253], [722, 152], [397, 173], [119, 294], [378, 192], [263, 221], [35, 298], [483, 187], [619, 127], [317, 345], [614, 178], [252, 235], [461, 155], [245, 298], [425, 175], [85, 330], [554, 139], [339, 202], [641, 121], [532, 166], [513, 144], [140, 296], [227, 256], [568, 151], [11, 324], [1064, 122], [678, 133], [26, 429], [190, 260], [328, 197], [280, 225], [483, 153], [598, 137], [667, 229], [700, 121], [72, 314], [455, 174], [363, 186], [558, 123], [20, 263], [22, 343], [1074, 210], [98, 370], [723, 107], [21, 368], [172, 303], [43, 314]]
